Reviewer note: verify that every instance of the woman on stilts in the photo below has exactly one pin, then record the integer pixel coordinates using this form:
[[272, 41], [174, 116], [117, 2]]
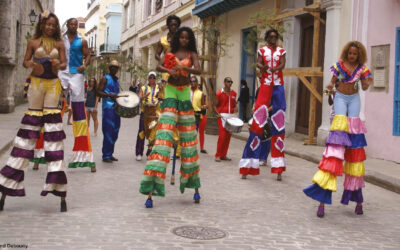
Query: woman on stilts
[[176, 109], [45, 54], [346, 139]]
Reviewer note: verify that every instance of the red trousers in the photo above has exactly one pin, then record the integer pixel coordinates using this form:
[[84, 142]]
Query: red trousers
[[202, 128], [264, 98], [224, 138]]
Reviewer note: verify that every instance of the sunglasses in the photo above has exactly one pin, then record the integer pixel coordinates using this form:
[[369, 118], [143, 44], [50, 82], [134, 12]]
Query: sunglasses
[[152, 77], [173, 24], [229, 82], [193, 80]]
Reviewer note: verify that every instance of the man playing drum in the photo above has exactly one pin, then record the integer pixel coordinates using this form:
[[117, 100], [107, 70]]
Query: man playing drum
[[150, 110], [108, 89], [225, 106]]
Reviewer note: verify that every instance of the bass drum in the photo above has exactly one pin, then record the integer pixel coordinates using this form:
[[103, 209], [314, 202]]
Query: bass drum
[[127, 106], [233, 125]]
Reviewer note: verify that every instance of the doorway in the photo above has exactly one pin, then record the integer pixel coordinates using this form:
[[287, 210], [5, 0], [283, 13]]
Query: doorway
[[247, 69], [303, 97]]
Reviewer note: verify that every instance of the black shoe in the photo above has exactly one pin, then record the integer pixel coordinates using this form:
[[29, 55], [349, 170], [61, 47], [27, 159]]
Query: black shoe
[[63, 206], [1, 205], [113, 158], [108, 160], [203, 151]]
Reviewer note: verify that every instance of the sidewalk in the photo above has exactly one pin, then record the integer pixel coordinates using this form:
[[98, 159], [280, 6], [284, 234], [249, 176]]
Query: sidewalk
[[383, 173]]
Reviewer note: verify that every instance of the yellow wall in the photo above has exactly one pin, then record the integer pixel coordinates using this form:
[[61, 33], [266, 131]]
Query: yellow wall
[[234, 22]]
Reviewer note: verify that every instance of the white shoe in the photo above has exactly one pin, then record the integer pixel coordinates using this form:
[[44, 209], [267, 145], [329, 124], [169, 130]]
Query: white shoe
[[138, 157], [263, 163]]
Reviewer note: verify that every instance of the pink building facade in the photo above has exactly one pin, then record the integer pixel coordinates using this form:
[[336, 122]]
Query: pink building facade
[[375, 23]]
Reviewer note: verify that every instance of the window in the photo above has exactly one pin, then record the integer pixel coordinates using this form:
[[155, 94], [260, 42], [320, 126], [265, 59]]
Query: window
[[132, 17], [148, 7], [396, 99], [159, 4], [125, 17]]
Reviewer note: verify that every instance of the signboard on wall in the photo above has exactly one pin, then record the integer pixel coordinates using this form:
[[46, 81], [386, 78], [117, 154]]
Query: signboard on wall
[[380, 67]]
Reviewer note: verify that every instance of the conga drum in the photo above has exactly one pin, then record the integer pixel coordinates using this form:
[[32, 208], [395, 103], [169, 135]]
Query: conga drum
[[150, 116], [127, 105]]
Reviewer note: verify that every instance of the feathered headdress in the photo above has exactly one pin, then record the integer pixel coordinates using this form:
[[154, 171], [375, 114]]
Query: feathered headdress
[[44, 14]]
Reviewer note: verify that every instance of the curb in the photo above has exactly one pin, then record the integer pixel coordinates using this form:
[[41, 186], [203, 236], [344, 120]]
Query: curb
[[6, 147], [373, 177]]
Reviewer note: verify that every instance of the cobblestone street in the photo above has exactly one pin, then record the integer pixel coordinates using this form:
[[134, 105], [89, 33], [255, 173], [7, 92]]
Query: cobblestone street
[[106, 211]]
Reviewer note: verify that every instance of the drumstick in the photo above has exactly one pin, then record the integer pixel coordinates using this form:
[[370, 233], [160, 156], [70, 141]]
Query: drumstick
[[173, 167], [122, 96]]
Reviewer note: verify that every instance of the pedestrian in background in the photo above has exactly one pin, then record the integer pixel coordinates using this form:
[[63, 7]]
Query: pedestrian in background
[[134, 88], [244, 98], [200, 109], [91, 104]]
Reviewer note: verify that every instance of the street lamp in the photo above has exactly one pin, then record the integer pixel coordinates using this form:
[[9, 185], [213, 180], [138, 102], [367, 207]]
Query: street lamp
[[32, 16]]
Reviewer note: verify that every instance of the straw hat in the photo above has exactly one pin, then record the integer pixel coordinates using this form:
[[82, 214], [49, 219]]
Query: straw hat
[[114, 63]]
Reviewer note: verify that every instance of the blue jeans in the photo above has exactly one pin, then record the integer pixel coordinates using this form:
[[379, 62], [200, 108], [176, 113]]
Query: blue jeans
[[348, 105]]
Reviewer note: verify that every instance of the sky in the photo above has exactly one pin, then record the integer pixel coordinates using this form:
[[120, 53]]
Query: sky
[[65, 9]]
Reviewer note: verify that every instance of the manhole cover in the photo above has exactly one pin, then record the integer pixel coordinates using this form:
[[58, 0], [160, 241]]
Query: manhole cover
[[199, 233]]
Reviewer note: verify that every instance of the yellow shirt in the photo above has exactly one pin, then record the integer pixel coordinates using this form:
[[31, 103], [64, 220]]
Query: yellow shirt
[[196, 99], [153, 97], [165, 44]]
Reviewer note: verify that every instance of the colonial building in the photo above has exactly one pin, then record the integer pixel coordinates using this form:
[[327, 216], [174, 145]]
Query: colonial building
[[144, 22], [15, 31], [369, 21], [96, 23]]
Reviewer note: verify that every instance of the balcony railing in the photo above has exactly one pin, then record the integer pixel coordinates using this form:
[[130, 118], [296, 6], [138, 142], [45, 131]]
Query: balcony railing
[[108, 47]]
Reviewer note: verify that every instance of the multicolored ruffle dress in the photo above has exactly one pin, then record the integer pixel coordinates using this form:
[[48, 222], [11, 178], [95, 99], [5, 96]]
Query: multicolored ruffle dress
[[345, 142]]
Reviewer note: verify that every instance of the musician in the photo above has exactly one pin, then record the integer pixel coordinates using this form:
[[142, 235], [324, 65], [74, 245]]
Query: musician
[[176, 109], [108, 89], [224, 106], [200, 108], [78, 58], [149, 110]]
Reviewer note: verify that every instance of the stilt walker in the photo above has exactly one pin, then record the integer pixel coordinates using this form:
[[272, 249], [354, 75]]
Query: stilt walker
[[271, 60], [45, 55], [346, 139], [73, 78]]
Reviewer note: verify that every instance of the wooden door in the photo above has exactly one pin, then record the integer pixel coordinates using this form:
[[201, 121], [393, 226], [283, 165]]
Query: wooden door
[[247, 69], [303, 96]]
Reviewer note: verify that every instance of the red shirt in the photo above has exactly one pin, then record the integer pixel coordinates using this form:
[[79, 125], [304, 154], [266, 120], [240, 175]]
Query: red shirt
[[226, 103]]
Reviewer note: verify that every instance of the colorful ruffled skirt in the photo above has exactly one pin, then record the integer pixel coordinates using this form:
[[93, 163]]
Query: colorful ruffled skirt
[[345, 142]]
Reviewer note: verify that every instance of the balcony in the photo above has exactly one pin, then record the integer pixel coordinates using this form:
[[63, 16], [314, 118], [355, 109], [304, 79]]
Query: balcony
[[205, 8], [109, 48]]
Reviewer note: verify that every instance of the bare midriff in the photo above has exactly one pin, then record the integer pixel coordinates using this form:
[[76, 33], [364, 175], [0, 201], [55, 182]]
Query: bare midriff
[[347, 88]]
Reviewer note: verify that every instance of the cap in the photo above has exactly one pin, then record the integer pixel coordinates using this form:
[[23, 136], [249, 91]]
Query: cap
[[152, 73]]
